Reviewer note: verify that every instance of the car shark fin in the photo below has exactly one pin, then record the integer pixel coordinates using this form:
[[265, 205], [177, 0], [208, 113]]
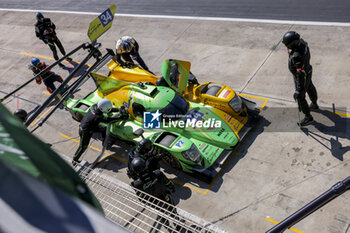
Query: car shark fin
[[107, 84], [175, 73]]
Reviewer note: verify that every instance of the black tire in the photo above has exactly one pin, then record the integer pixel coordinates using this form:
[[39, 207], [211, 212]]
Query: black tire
[[77, 116]]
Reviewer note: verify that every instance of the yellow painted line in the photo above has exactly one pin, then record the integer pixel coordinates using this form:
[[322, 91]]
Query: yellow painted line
[[94, 148], [252, 96], [189, 186], [262, 107], [341, 114], [276, 222], [45, 57], [256, 97], [37, 120], [37, 55]]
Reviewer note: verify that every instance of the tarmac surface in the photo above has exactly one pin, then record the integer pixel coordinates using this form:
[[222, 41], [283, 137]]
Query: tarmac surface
[[276, 169], [296, 10]]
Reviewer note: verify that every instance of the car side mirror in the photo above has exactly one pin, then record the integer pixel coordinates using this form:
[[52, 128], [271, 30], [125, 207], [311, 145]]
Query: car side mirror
[[138, 132]]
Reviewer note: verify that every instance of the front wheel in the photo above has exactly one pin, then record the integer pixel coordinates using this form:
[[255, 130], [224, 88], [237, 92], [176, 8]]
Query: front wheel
[[171, 161], [77, 116]]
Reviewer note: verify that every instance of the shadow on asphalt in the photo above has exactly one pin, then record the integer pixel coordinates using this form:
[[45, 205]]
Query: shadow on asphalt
[[336, 128], [242, 149], [74, 65]]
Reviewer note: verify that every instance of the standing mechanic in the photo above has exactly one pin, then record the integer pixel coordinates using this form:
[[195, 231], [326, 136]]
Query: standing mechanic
[[48, 78], [127, 49], [299, 66], [90, 123], [45, 31]]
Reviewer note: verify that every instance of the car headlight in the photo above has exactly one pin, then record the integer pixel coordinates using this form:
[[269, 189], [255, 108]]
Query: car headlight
[[192, 154], [236, 104]]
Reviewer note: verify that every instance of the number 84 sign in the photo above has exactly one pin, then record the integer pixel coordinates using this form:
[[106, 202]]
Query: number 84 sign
[[101, 24]]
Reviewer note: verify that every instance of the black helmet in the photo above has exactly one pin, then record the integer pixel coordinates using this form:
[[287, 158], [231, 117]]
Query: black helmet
[[145, 145], [21, 114], [39, 16], [138, 165], [290, 38]]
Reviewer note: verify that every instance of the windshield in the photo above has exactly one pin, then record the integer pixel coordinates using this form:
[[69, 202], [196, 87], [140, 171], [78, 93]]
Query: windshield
[[176, 109]]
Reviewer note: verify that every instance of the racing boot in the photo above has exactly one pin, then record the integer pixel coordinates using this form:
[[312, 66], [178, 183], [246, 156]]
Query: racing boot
[[75, 162], [306, 121], [313, 106]]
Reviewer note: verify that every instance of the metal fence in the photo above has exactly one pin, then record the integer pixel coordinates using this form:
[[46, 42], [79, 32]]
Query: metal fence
[[123, 206]]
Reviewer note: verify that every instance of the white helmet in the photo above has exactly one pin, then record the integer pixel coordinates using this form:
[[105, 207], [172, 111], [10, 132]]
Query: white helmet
[[105, 105]]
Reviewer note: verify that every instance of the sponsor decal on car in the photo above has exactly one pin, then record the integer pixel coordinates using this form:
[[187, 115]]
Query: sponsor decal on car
[[180, 143], [221, 131], [224, 93]]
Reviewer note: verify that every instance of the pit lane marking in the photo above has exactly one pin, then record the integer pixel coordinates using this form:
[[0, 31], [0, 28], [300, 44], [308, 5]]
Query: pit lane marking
[[37, 55], [42, 115], [276, 222], [341, 114], [256, 97], [45, 57], [245, 20]]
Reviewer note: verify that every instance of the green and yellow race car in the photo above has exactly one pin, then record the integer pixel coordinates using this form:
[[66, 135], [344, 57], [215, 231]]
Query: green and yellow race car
[[196, 137]]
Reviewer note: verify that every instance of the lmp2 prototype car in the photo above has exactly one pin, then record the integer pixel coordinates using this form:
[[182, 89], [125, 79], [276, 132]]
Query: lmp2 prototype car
[[197, 138]]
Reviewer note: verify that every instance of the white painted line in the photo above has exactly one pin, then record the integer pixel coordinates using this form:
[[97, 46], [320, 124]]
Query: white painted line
[[311, 23]]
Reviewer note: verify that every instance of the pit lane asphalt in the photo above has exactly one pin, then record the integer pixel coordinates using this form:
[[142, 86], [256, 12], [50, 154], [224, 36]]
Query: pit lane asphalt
[[300, 10], [277, 168]]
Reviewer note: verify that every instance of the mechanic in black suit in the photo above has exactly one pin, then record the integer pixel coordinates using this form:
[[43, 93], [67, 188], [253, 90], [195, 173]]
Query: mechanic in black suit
[[299, 66], [45, 31]]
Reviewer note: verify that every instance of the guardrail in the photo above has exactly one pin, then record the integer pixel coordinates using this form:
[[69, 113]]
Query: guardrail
[[147, 214]]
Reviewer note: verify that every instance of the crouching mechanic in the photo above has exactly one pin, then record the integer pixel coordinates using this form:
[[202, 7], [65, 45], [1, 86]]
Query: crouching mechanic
[[299, 66], [127, 49], [48, 78], [156, 184], [90, 123], [145, 151]]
